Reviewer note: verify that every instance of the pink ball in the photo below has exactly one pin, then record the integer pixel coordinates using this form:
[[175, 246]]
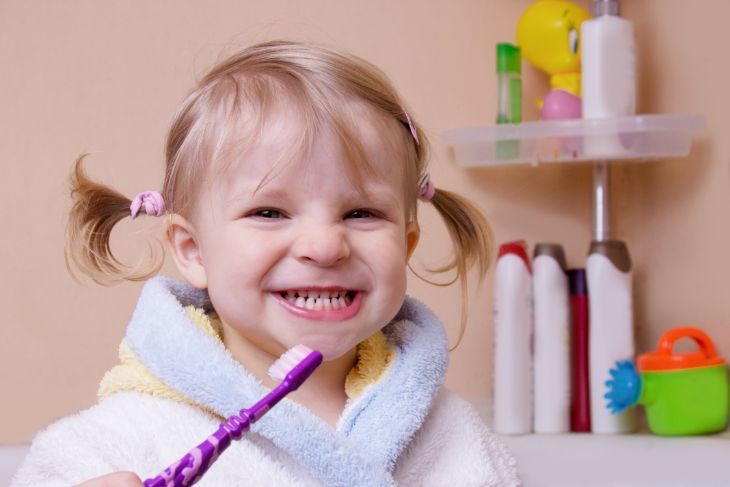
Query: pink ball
[[560, 105]]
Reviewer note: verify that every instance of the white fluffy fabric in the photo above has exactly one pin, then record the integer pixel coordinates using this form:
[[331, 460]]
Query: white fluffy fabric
[[405, 429]]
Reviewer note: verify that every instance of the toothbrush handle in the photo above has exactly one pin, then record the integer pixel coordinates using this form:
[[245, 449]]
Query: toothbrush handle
[[190, 468]]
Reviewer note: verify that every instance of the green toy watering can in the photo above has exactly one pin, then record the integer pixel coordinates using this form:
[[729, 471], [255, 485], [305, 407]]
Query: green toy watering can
[[683, 393]]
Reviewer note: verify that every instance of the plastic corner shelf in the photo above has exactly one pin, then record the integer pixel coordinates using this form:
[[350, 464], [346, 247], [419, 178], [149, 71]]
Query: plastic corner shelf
[[635, 138]]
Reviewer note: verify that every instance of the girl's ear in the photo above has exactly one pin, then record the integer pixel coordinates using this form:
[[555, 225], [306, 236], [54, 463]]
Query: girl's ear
[[413, 233], [183, 245]]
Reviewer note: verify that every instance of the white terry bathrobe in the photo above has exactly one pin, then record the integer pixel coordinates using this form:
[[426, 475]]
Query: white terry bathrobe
[[177, 382]]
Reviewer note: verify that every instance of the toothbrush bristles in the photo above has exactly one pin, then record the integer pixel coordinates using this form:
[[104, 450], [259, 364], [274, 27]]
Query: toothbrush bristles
[[289, 359]]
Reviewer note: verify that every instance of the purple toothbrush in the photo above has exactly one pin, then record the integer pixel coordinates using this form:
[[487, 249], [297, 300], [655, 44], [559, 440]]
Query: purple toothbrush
[[292, 369]]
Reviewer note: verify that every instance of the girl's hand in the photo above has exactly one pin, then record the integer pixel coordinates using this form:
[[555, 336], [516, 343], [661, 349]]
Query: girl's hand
[[116, 479]]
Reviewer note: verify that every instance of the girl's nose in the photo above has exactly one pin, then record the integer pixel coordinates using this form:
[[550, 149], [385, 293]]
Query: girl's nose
[[324, 246]]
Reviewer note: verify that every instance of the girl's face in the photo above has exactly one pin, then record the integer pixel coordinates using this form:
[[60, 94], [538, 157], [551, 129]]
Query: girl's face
[[308, 257]]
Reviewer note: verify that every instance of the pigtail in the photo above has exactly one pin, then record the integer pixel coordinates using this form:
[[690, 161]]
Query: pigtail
[[472, 240], [96, 209]]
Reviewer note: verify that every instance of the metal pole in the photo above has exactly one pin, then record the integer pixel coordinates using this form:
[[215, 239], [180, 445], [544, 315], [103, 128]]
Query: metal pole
[[601, 202]]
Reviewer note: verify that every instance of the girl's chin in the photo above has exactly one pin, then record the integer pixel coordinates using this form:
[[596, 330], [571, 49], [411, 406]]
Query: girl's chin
[[344, 350], [330, 355]]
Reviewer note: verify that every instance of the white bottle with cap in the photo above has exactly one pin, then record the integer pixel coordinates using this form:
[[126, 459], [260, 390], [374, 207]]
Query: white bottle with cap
[[611, 334], [512, 412], [608, 76], [551, 299]]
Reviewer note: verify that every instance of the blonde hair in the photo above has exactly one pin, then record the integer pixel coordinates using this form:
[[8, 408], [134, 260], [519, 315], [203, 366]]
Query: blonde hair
[[227, 110]]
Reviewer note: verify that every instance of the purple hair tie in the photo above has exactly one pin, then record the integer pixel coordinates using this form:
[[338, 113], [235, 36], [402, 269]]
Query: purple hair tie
[[426, 189], [153, 203], [411, 126]]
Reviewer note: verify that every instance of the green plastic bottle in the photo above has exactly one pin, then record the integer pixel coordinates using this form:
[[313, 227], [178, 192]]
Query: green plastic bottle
[[509, 84], [509, 96]]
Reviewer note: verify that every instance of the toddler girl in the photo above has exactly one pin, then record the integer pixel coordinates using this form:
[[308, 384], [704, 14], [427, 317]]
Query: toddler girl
[[290, 192]]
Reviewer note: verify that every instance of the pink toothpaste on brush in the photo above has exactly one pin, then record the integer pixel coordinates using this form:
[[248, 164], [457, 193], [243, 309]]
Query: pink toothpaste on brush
[[292, 369]]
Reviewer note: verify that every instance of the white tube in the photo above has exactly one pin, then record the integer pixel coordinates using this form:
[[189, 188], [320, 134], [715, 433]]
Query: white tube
[[611, 332], [512, 341], [608, 77], [552, 340]]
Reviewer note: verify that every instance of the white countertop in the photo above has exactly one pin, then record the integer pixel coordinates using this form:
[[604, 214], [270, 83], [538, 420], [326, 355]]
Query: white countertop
[[622, 460], [633, 460]]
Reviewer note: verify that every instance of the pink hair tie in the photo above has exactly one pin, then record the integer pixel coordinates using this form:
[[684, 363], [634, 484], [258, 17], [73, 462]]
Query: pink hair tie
[[411, 126], [426, 189], [153, 203]]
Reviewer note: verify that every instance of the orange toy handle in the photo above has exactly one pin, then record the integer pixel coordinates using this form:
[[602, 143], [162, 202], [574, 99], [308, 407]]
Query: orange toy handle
[[664, 359], [667, 341]]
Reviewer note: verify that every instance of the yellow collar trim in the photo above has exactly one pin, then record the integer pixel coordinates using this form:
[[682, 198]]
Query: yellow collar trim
[[132, 375], [374, 358]]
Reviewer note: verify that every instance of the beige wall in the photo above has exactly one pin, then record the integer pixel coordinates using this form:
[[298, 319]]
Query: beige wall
[[106, 77]]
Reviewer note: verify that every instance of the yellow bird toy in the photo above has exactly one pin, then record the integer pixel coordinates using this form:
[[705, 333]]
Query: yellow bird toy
[[548, 34]]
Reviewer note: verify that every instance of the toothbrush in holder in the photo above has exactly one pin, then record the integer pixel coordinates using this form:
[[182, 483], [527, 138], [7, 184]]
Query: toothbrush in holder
[[292, 369]]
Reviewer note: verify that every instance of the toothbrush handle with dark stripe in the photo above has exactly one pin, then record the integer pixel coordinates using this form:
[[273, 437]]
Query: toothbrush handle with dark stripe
[[190, 468]]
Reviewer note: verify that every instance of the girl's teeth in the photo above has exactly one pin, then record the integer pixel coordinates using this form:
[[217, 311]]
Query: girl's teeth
[[318, 300]]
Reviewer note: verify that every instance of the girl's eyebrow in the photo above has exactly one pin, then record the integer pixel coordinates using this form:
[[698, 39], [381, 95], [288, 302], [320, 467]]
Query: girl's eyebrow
[[274, 193], [250, 191], [270, 193], [249, 194], [382, 196]]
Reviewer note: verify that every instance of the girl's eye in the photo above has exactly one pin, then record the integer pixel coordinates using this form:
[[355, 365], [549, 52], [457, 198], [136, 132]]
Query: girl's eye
[[361, 213], [268, 213]]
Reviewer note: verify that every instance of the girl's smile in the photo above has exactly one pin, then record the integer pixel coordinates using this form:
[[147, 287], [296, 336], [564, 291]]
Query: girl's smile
[[330, 304]]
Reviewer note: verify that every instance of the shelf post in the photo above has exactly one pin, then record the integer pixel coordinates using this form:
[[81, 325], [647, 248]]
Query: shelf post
[[601, 202]]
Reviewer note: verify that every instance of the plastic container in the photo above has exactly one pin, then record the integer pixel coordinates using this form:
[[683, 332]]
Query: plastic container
[[644, 137], [552, 340], [580, 390], [512, 341], [509, 84], [608, 58], [683, 393], [611, 336], [509, 95]]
